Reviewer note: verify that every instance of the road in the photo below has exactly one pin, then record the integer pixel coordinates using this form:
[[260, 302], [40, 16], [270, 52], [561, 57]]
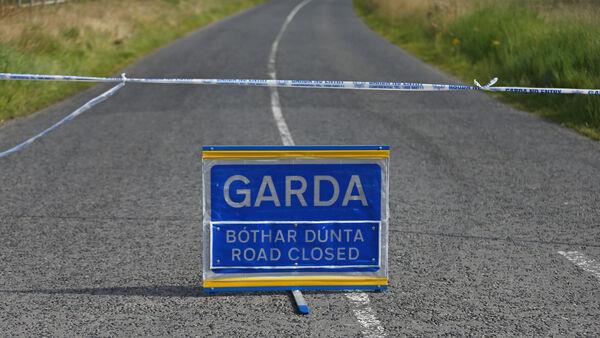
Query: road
[[100, 222]]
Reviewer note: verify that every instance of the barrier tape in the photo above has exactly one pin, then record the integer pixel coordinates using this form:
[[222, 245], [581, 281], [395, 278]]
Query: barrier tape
[[67, 118], [352, 85]]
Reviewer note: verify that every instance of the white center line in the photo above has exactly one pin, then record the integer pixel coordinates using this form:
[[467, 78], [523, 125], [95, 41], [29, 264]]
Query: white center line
[[364, 313], [284, 131], [587, 264]]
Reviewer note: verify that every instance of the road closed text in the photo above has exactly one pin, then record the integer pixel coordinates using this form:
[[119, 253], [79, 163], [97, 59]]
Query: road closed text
[[295, 245]]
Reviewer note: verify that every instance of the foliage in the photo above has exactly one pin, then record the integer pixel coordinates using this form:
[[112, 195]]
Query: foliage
[[94, 38], [522, 44]]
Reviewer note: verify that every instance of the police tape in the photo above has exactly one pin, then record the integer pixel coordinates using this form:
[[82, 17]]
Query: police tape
[[317, 84], [88, 105]]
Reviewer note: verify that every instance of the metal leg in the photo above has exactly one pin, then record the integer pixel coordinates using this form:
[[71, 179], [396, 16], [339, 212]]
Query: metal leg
[[300, 302]]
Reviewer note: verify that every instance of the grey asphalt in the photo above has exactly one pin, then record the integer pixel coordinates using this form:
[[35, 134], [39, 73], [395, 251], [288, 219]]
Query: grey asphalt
[[100, 222]]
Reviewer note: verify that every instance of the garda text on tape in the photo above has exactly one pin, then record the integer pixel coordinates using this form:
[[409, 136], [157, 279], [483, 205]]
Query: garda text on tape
[[295, 217]]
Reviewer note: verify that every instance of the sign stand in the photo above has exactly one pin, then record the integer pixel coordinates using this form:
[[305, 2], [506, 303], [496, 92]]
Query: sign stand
[[294, 218], [300, 302]]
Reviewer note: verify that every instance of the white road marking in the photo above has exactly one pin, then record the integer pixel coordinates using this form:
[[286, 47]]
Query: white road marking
[[362, 310], [284, 131], [587, 264], [365, 315]]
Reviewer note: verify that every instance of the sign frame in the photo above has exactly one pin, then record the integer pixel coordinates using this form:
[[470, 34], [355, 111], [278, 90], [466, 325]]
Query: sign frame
[[294, 278]]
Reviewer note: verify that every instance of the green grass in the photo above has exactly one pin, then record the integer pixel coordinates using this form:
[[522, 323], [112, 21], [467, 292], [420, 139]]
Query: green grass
[[50, 44], [509, 40]]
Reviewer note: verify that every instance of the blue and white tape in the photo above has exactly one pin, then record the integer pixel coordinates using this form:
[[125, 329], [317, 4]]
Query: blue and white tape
[[319, 84], [353, 85], [67, 118]]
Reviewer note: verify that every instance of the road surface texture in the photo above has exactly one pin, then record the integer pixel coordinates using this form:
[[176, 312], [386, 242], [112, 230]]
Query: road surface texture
[[100, 222]]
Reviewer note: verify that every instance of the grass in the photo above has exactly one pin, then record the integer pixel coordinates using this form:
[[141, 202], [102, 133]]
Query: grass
[[90, 38], [523, 42]]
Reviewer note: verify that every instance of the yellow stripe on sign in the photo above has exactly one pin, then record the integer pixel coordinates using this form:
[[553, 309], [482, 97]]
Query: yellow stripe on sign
[[295, 281], [266, 154]]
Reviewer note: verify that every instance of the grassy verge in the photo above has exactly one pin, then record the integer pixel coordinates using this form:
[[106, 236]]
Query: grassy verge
[[90, 38], [523, 42]]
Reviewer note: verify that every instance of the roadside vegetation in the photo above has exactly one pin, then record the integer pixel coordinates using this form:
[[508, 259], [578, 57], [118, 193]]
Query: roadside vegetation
[[549, 43], [94, 38]]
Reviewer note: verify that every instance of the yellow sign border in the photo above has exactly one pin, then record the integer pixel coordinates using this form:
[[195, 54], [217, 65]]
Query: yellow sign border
[[295, 281], [268, 154]]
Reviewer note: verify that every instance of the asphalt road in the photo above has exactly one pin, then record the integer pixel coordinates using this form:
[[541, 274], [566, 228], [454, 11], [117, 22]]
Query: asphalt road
[[100, 222]]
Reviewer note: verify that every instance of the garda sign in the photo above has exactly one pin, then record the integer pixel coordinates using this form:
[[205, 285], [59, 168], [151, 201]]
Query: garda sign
[[295, 217]]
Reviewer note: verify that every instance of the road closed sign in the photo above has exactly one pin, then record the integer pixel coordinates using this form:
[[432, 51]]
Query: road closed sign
[[295, 217]]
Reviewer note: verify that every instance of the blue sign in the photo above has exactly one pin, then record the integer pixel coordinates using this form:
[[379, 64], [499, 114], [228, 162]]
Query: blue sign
[[295, 217], [295, 192], [292, 246]]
